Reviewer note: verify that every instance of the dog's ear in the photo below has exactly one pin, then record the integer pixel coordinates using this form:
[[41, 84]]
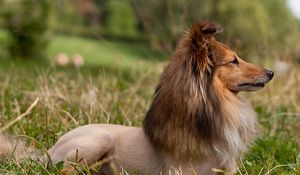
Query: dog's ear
[[208, 29], [201, 32], [197, 40]]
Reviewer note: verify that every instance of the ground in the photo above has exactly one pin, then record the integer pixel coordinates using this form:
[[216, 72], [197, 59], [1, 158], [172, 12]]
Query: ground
[[116, 86]]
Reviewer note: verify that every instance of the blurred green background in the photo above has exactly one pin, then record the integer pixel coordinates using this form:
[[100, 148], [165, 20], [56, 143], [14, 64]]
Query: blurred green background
[[31, 28], [98, 61]]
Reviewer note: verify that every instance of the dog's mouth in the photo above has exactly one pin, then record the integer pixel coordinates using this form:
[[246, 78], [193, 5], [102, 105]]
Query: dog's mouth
[[258, 85], [250, 86]]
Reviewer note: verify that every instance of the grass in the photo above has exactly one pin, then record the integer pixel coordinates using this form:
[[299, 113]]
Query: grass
[[108, 90], [105, 53]]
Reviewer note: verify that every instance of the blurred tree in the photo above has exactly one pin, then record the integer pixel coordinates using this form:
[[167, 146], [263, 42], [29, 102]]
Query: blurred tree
[[120, 20], [78, 17], [26, 22], [88, 10], [254, 27], [66, 19], [164, 20], [246, 23], [284, 29]]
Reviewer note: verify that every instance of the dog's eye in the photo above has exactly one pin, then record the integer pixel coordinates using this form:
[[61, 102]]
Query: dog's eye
[[235, 61]]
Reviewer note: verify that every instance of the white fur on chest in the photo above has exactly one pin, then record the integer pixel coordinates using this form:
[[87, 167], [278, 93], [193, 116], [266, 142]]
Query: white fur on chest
[[240, 129]]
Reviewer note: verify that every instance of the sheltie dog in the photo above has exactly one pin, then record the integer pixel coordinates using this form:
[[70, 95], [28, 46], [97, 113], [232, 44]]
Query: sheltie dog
[[196, 123]]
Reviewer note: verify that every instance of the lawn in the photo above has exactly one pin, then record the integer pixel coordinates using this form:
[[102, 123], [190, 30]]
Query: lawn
[[116, 86], [105, 53]]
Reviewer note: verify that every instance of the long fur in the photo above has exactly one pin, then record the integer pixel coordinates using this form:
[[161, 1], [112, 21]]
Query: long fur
[[191, 116]]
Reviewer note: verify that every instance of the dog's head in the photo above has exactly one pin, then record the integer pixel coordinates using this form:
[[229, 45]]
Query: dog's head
[[225, 66]]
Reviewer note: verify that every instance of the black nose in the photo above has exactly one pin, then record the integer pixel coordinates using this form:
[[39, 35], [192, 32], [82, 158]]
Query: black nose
[[270, 74]]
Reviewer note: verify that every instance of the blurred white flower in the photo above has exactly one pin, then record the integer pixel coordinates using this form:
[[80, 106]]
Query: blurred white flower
[[77, 60], [62, 59]]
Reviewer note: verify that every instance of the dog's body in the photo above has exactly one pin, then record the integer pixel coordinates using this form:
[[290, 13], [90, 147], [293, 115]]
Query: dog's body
[[196, 122], [126, 148]]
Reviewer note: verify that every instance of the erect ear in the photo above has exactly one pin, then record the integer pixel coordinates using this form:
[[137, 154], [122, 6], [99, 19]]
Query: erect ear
[[201, 32], [208, 29], [197, 40]]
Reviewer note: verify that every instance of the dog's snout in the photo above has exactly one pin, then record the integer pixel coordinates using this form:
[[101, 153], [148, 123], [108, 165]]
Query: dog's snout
[[270, 74]]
